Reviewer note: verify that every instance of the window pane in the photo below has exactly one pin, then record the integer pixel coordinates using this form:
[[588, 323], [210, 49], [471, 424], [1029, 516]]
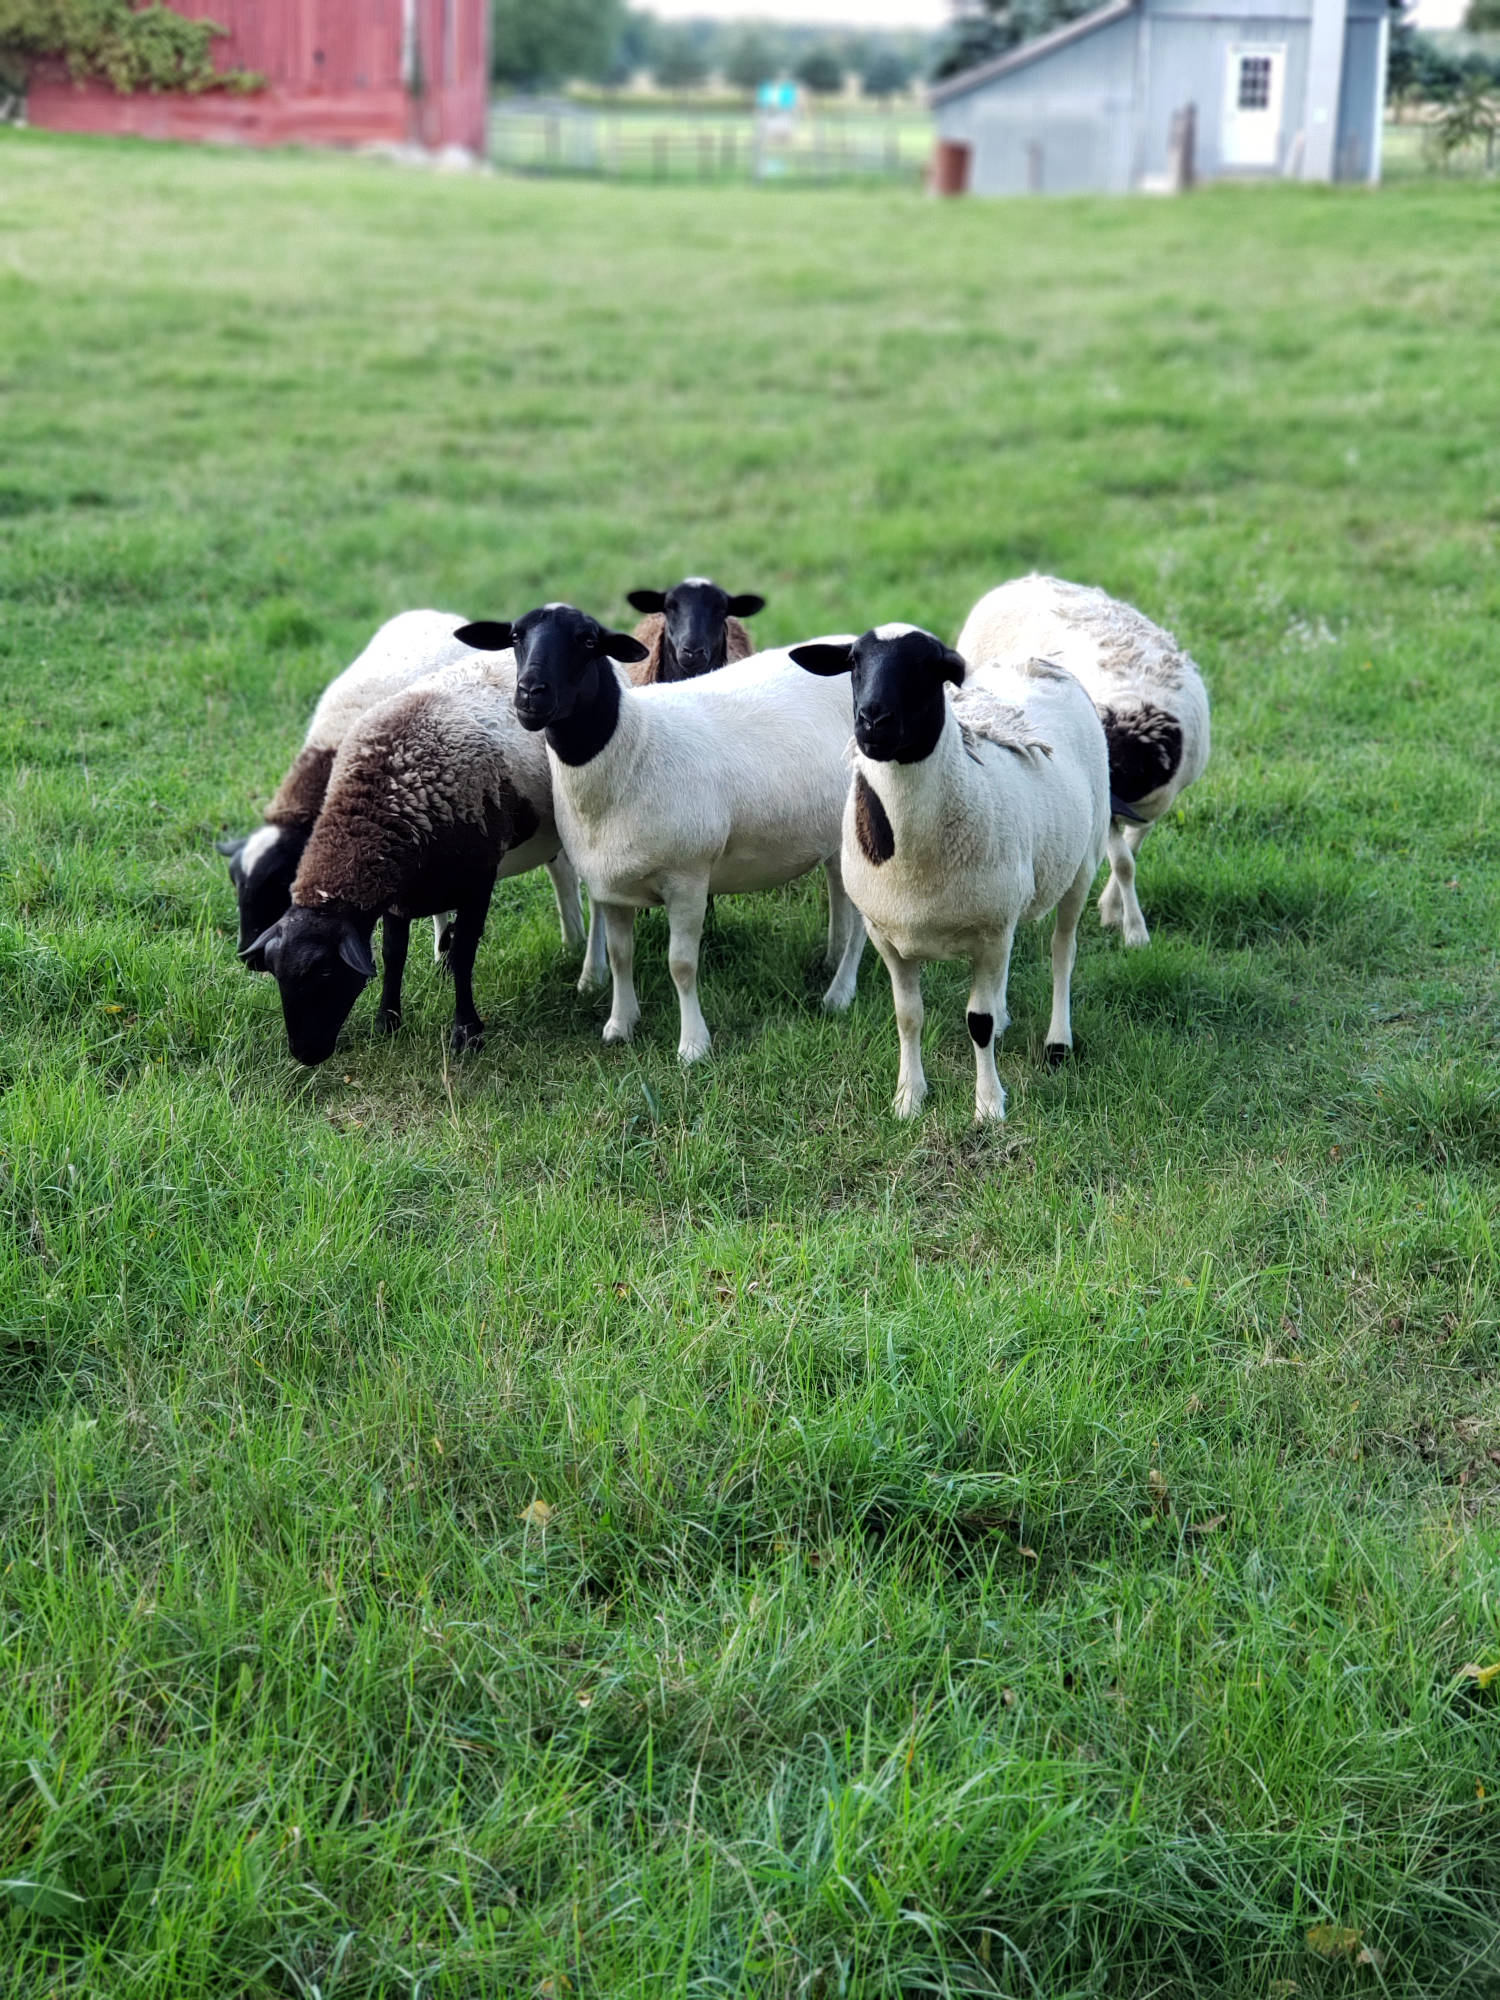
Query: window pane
[[1255, 83]]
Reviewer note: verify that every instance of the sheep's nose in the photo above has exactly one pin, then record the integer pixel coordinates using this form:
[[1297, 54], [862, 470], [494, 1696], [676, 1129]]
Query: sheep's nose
[[533, 706]]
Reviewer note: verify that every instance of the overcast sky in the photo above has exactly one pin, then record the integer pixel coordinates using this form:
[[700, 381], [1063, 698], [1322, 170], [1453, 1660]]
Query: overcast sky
[[846, 13]]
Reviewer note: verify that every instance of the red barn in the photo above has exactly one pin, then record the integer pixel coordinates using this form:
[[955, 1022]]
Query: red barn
[[338, 73]]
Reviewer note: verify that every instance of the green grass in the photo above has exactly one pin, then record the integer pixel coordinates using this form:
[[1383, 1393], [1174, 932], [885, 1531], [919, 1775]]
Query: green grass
[[1034, 1564]]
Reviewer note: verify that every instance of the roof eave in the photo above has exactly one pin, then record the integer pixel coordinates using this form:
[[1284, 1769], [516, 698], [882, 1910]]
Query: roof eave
[[1029, 52]]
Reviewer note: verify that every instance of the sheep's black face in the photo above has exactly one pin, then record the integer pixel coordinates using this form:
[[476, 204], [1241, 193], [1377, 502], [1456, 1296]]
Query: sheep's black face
[[560, 654], [321, 960], [263, 867], [899, 672], [697, 613]]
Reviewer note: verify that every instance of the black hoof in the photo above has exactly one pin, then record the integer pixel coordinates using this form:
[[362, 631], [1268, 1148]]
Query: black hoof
[[388, 1020], [1057, 1053], [467, 1039]]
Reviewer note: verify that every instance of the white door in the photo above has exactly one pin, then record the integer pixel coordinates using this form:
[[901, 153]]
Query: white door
[[1253, 88]]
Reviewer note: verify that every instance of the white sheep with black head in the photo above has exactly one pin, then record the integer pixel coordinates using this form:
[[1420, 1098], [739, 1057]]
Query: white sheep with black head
[[968, 815], [1148, 691], [728, 783]]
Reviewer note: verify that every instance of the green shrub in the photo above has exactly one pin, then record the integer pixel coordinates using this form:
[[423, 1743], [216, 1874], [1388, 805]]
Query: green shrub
[[150, 48]]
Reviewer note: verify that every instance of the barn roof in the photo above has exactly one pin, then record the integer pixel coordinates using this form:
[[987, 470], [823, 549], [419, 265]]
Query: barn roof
[[1029, 52]]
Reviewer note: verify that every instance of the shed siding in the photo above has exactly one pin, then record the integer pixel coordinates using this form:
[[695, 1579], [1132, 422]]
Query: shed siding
[[1059, 126], [1361, 101], [1189, 64], [1095, 114]]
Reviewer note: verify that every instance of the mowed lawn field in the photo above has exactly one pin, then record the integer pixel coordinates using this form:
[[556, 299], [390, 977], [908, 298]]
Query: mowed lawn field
[[549, 1523]]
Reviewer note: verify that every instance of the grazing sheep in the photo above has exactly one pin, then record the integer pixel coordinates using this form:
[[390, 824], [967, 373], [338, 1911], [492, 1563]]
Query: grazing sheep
[[263, 864], [730, 783], [967, 815], [691, 629], [434, 794], [1149, 694]]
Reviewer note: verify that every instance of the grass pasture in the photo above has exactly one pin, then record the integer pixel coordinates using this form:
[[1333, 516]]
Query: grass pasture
[[553, 1525]]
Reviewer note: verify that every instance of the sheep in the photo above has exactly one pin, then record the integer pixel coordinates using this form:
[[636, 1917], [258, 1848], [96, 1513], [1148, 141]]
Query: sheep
[[262, 864], [965, 816], [692, 629], [434, 794], [733, 782], [1149, 694]]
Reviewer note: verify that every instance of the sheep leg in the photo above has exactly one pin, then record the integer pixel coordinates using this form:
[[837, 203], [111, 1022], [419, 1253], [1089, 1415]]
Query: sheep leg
[[1119, 907], [442, 938], [569, 902], [595, 959], [1064, 951], [625, 1011], [687, 900], [846, 940], [989, 1017], [397, 935], [906, 992], [468, 928]]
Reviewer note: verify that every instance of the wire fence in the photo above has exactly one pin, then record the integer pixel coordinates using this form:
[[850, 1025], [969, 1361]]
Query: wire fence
[[667, 147]]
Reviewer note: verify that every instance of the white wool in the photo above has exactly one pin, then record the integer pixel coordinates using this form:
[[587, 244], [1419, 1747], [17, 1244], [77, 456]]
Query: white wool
[[406, 648], [1126, 663], [1004, 821], [257, 846], [733, 782]]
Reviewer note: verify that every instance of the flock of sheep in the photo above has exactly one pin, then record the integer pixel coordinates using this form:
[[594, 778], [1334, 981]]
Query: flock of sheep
[[984, 785]]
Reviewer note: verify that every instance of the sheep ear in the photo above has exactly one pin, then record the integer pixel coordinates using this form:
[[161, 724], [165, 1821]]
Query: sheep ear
[[747, 604], [620, 646], [486, 635], [262, 955], [826, 660], [647, 600], [231, 849], [356, 954], [954, 666]]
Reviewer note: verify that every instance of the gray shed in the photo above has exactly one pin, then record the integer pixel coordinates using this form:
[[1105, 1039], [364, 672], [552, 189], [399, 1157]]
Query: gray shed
[[1288, 88]]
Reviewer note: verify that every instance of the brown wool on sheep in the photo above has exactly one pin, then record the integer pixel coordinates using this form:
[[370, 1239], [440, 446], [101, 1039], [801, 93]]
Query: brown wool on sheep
[[299, 797], [872, 826], [389, 838], [738, 645]]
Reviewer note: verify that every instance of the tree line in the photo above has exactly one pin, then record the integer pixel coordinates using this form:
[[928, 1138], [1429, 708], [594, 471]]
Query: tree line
[[608, 43]]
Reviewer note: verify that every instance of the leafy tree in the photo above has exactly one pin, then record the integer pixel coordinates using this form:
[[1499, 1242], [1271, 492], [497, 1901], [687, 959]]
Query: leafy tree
[[750, 61], [150, 48], [1483, 17], [634, 49], [884, 73], [536, 44], [986, 28], [1471, 117], [821, 71], [680, 62]]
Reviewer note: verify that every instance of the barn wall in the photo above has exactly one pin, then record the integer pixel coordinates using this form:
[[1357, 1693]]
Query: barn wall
[[334, 74], [1060, 125]]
